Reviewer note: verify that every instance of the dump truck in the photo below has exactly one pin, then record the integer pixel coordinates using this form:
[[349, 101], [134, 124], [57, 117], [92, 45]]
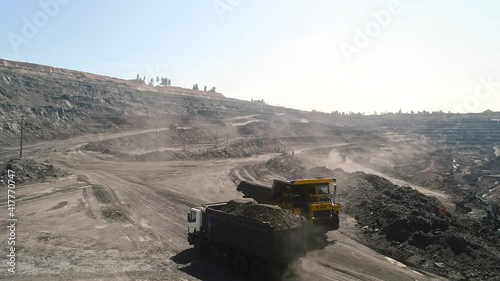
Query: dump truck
[[249, 244], [310, 198]]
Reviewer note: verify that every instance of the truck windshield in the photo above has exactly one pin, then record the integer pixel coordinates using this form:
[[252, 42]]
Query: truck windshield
[[323, 192], [310, 192], [322, 189], [192, 216]]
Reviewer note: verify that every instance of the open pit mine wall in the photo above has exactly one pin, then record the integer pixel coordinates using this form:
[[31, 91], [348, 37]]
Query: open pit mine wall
[[59, 103]]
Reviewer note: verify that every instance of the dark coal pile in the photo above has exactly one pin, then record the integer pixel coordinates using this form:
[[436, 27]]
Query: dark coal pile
[[416, 229], [29, 171], [274, 215]]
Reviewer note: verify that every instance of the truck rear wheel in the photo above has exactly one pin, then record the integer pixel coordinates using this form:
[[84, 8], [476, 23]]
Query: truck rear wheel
[[240, 263], [259, 270]]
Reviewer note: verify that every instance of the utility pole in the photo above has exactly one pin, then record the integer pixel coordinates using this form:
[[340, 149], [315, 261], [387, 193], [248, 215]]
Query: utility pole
[[227, 138], [156, 138], [21, 145], [215, 138]]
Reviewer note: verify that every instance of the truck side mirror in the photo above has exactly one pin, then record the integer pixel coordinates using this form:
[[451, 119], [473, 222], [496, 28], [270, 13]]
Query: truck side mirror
[[335, 193]]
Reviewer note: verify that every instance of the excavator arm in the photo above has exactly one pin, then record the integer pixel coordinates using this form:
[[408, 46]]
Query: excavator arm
[[492, 211]]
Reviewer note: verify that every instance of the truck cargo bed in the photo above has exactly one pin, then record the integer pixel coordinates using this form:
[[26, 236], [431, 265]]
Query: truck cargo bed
[[253, 237], [260, 193]]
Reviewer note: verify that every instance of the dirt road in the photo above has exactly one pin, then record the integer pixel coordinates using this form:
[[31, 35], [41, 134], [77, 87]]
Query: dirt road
[[116, 220]]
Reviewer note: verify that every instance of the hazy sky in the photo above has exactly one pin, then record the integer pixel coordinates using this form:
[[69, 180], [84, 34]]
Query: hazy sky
[[326, 55]]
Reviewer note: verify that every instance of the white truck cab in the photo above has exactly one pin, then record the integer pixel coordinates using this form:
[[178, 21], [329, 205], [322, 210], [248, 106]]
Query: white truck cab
[[195, 217]]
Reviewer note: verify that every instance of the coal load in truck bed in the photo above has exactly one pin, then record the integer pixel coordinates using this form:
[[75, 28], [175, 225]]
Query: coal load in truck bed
[[274, 215]]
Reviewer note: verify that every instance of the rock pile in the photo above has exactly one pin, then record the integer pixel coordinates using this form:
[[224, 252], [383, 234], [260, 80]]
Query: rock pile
[[416, 229]]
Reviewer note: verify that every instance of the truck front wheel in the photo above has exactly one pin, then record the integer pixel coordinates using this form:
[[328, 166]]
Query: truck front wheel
[[335, 222], [200, 246]]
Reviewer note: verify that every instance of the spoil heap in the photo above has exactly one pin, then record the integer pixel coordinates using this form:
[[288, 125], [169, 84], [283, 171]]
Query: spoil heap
[[29, 171], [416, 229], [274, 215], [286, 165]]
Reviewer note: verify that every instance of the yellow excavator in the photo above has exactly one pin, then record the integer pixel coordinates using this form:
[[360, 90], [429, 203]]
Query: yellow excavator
[[312, 199]]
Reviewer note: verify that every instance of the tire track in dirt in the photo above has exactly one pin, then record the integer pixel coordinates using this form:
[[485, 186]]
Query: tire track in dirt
[[237, 173], [93, 206], [143, 206], [147, 205], [250, 176], [157, 207]]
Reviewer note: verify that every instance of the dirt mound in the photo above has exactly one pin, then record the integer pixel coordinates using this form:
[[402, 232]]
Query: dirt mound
[[287, 165], [323, 172], [101, 194], [173, 137], [256, 129], [416, 229], [292, 167], [241, 148], [112, 214], [236, 149], [274, 215], [29, 171]]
